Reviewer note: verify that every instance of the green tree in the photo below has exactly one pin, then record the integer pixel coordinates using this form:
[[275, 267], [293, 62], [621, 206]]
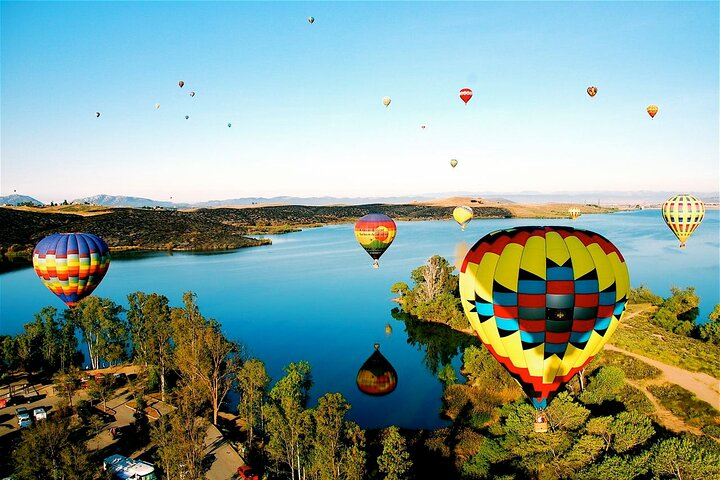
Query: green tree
[[104, 332], [604, 385], [252, 381], [180, 440], [352, 461], [287, 418], [710, 331], [394, 462], [400, 288], [48, 451], [66, 384], [616, 467], [203, 355], [328, 445], [624, 432], [101, 389], [564, 414], [686, 458], [642, 294], [447, 375], [678, 312], [150, 332]]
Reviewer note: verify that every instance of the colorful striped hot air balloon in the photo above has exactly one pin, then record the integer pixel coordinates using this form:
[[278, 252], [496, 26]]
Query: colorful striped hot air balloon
[[71, 265], [376, 376], [652, 110], [544, 301], [592, 91], [574, 213], [463, 215], [683, 214], [375, 232]]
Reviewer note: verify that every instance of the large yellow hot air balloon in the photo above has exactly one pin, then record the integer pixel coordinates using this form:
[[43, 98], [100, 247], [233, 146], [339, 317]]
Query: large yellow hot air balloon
[[544, 301], [652, 110], [463, 215], [683, 214]]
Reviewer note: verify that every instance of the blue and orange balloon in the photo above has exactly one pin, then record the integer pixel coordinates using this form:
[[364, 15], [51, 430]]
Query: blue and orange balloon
[[544, 301], [71, 265], [375, 232]]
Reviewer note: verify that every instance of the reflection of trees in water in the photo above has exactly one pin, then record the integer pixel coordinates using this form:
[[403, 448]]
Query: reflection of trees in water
[[440, 342]]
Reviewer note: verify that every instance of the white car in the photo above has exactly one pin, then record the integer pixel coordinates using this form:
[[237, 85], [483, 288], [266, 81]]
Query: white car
[[39, 414]]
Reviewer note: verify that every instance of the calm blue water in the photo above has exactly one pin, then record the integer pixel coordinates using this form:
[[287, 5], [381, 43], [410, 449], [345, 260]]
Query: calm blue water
[[314, 296]]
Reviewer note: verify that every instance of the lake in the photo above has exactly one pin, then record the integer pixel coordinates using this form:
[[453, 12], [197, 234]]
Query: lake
[[313, 295]]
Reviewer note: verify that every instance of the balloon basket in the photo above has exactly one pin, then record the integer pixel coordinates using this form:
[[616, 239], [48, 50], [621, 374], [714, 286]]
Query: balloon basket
[[540, 425]]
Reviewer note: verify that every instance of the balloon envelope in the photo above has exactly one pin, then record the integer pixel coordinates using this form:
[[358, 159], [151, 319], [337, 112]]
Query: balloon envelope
[[311, 20], [574, 212], [592, 91], [544, 301], [463, 215], [181, 84], [453, 163], [466, 94], [683, 214], [157, 105], [192, 94], [377, 376], [71, 265], [386, 101], [97, 114], [652, 110], [375, 232]]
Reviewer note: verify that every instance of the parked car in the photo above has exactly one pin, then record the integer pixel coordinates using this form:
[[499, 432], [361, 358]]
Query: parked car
[[23, 417], [246, 472], [39, 414]]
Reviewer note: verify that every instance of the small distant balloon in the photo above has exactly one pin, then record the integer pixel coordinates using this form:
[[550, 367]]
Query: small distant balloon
[[592, 91], [652, 110], [311, 20], [423, 126], [157, 105], [574, 212], [181, 84], [465, 95], [462, 215], [453, 163], [97, 114], [187, 116], [229, 125], [386, 101], [388, 329], [192, 94]]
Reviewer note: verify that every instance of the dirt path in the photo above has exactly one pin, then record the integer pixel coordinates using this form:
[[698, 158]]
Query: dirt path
[[704, 386]]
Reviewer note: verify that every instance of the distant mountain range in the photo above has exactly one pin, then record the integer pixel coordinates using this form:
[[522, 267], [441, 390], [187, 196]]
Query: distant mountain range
[[19, 200], [603, 197]]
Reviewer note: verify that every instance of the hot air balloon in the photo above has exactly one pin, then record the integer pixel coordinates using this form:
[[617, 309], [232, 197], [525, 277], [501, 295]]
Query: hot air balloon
[[386, 101], [192, 94], [375, 232], [181, 84], [544, 301], [592, 91], [463, 215], [311, 20], [683, 214], [574, 212], [465, 95], [71, 265], [229, 125], [422, 126], [453, 163], [388, 329], [652, 110], [157, 105], [376, 376], [97, 114]]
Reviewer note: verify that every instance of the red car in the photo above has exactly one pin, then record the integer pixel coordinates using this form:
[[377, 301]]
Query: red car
[[246, 473]]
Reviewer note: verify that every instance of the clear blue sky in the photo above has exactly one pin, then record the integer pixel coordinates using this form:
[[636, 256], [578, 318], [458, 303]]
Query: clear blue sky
[[305, 101]]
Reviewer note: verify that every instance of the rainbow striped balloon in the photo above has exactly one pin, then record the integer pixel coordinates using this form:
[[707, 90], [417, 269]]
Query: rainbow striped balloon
[[683, 214], [71, 265], [375, 232]]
